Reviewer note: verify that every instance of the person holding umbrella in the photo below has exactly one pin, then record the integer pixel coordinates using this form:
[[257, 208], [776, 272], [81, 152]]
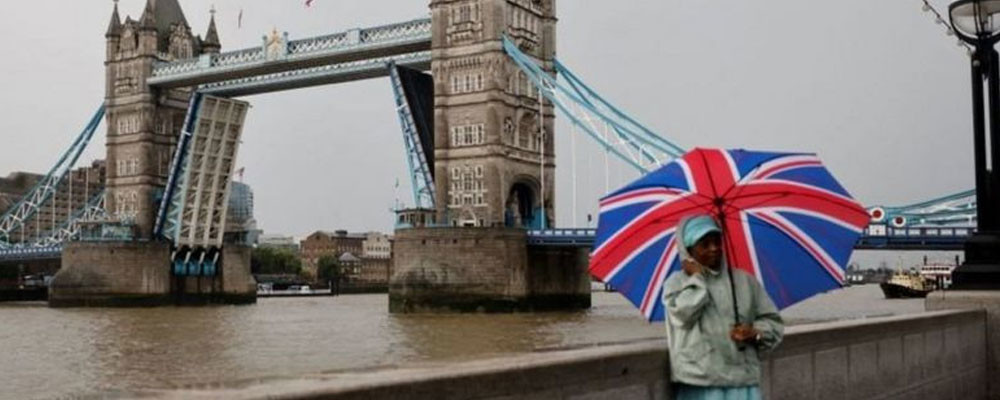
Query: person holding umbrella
[[711, 357], [711, 242]]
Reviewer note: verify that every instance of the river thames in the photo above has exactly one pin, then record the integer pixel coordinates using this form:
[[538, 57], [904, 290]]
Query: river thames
[[100, 353]]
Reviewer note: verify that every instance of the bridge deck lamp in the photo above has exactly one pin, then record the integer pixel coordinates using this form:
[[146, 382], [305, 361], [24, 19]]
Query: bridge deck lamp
[[977, 22]]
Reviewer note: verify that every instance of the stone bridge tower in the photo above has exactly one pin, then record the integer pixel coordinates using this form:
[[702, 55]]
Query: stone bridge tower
[[143, 123], [488, 147]]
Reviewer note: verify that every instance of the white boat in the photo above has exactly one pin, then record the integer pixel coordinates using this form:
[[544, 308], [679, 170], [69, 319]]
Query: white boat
[[938, 273]]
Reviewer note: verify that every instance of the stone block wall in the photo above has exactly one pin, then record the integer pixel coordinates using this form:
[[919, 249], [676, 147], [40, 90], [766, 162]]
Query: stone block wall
[[112, 274], [483, 269], [456, 268], [934, 355], [988, 300], [558, 278], [930, 356], [125, 274]]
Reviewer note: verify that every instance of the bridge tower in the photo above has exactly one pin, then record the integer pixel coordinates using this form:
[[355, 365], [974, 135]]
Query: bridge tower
[[143, 122], [488, 141], [143, 126]]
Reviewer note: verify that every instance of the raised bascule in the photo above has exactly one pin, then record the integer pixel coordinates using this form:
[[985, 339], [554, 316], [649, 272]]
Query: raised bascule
[[477, 130]]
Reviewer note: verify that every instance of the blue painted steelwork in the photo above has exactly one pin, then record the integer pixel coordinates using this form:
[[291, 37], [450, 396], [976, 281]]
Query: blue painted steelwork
[[31, 253], [893, 239], [322, 75], [50, 246], [94, 210], [954, 209], [27, 206], [278, 54], [420, 175], [623, 136], [578, 237], [168, 217], [923, 238]]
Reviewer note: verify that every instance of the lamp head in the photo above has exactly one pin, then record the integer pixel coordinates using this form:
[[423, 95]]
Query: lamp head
[[975, 21]]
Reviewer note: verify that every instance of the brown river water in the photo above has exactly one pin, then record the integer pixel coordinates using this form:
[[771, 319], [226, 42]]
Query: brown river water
[[68, 353]]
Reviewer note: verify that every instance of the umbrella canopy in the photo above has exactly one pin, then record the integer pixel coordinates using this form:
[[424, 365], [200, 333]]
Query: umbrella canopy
[[785, 220]]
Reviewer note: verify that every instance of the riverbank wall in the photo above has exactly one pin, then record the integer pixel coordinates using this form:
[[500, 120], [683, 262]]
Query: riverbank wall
[[934, 355]]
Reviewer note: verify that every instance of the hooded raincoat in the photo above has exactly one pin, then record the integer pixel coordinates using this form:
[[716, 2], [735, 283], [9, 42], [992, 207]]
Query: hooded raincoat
[[700, 316]]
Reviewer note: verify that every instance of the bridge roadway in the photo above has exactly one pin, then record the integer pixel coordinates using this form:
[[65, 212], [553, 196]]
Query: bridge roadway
[[893, 239], [951, 239], [282, 64]]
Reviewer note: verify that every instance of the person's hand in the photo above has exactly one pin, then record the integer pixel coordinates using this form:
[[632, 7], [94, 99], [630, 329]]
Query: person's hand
[[743, 333], [690, 267]]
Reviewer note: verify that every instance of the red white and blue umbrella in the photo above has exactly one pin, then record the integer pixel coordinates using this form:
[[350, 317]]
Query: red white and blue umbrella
[[785, 220]]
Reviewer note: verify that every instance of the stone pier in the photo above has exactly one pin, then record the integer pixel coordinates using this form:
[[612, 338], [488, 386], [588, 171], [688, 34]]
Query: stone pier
[[468, 269], [135, 273]]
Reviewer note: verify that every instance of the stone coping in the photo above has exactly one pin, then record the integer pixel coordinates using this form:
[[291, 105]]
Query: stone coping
[[495, 377]]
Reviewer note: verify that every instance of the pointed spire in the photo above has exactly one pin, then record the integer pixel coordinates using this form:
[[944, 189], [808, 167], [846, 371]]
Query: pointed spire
[[148, 18], [115, 27], [212, 37]]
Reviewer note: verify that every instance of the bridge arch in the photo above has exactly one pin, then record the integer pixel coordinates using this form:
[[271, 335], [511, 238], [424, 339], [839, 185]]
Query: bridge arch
[[521, 205]]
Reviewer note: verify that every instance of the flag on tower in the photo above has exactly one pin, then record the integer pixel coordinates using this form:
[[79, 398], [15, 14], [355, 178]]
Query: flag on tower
[[239, 20], [309, 3]]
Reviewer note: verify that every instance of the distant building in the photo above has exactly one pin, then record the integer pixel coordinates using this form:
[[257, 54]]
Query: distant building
[[377, 245], [241, 227], [278, 241], [324, 243], [80, 186], [374, 272]]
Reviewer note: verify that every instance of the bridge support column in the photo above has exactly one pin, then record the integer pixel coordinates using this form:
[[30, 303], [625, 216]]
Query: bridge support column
[[483, 269], [137, 274], [110, 274]]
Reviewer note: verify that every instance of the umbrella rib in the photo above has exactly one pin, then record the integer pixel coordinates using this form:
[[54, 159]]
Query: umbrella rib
[[775, 195]]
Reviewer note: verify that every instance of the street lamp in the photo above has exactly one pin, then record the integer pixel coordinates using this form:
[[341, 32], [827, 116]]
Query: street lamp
[[977, 22]]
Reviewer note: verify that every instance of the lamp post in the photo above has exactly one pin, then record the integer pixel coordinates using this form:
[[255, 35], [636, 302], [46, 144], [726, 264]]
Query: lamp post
[[977, 22]]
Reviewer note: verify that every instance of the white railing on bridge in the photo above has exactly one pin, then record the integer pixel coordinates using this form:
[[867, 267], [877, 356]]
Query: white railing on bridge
[[277, 48], [328, 73]]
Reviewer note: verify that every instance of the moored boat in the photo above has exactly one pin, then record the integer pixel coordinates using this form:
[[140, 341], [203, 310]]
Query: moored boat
[[906, 285]]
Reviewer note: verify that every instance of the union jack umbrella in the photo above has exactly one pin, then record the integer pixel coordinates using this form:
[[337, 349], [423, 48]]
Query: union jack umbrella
[[784, 218]]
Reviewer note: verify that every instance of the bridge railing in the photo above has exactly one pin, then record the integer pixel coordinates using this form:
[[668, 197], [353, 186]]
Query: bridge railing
[[319, 48]]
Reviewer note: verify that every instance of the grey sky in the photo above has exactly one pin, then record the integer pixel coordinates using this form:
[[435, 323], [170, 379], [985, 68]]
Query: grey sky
[[875, 87]]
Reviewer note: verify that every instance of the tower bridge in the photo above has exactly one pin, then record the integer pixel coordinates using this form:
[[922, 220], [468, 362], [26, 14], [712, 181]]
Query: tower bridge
[[477, 132]]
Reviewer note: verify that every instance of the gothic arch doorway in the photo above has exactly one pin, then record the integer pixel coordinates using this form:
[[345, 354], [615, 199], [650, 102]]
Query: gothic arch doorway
[[520, 210]]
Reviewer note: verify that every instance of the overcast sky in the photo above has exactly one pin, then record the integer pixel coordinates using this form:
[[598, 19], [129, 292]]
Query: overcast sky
[[875, 87]]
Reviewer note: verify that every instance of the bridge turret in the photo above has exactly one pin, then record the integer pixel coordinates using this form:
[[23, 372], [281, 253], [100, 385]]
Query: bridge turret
[[489, 148], [115, 26], [148, 40], [113, 36], [211, 45], [142, 122]]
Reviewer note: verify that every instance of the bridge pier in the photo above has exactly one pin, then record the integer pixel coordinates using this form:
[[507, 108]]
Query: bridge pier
[[466, 269], [137, 274]]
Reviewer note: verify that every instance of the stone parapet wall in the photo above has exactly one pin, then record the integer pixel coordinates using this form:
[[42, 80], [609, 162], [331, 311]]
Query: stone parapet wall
[[931, 356], [988, 300]]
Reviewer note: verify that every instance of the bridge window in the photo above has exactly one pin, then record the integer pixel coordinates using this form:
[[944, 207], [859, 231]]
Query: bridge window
[[468, 135], [467, 83], [468, 188]]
